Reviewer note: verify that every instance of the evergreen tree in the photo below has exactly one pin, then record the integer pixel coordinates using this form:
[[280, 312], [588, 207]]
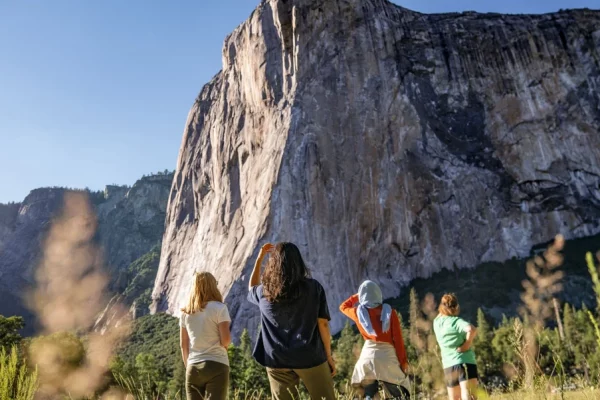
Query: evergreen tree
[[254, 376], [565, 349], [585, 348], [9, 331], [502, 343], [176, 385], [346, 349], [147, 369], [121, 369], [236, 372], [569, 324], [483, 345]]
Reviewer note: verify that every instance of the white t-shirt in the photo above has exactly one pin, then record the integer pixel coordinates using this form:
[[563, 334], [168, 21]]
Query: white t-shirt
[[203, 330]]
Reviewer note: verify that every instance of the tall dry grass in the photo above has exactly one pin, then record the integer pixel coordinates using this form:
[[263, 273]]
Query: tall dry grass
[[543, 283], [70, 291], [596, 284]]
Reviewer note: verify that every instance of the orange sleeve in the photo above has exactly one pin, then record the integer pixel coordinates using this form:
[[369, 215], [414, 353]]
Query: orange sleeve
[[348, 309], [399, 341]]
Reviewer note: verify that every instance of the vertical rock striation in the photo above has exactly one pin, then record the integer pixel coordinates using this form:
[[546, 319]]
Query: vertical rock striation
[[386, 143]]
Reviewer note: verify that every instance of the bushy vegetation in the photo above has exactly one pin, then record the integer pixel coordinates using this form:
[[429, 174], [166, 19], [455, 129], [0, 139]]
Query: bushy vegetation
[[151, 355], [164, 172], [17, 381], [140, 277], [548, 346], [9, 331], [496, 287]]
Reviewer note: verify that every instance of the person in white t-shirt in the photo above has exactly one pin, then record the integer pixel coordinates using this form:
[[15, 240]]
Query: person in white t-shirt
[[204, 337]]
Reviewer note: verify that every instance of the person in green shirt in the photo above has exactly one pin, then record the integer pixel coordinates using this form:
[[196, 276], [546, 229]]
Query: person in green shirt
[[455, 336]]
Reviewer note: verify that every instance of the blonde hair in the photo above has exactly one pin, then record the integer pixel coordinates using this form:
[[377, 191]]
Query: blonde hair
[[449, 305], [204, 290]]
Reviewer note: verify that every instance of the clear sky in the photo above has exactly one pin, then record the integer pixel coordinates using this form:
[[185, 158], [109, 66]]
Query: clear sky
[[97, 92]]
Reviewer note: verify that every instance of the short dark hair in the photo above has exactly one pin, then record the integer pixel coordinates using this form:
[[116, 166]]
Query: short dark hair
[[284, 273]]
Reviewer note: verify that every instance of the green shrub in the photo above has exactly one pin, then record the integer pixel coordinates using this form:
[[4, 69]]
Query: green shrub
[[9, 330], [17, 382]]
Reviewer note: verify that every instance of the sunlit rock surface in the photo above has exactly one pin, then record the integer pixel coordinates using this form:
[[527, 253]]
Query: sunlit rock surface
[[386, 143]]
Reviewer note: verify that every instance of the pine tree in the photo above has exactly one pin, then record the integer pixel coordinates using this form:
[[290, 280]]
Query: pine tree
[[236, 368], [176, 385], [149, 374], [254, 376], [502, 343], [9, 331], [567, 350], [346, 354], [569, 323], [483, 345], [585, 346]]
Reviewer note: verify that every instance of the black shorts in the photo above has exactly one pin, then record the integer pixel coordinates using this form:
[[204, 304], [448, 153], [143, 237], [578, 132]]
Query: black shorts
[[460, 373]]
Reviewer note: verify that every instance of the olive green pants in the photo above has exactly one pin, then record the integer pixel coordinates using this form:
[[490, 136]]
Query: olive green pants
[[318, 381], [207, 380]]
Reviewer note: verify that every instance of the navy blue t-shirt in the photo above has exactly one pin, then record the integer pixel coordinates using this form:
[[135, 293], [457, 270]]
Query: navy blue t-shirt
[[289, 336]]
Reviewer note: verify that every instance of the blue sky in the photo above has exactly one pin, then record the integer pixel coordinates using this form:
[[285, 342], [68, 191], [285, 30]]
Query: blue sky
[[97, 92]]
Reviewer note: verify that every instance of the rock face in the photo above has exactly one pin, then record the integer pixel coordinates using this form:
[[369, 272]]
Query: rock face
[[139, 277], [131, 222], [387, 144]]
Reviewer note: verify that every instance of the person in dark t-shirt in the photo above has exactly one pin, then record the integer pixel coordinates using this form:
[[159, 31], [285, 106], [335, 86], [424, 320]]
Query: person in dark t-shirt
[[294, 342]]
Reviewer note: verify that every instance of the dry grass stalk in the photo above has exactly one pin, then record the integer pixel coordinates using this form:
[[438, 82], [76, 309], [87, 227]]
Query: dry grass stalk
[[596, 283], [70, 292], [428, 369], [544, 281]]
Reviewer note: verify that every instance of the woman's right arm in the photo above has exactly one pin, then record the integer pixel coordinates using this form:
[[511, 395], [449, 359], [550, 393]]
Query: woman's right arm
[[471, 332], [224, 334], [255, 277], [325, 333], [184, 343], [347, 307]]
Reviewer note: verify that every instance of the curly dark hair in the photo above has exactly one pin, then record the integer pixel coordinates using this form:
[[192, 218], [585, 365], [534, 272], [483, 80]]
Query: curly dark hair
[[284, 273]]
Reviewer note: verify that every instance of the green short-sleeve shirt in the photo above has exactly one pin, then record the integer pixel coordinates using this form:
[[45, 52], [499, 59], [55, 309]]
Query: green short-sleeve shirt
[[450, 334]]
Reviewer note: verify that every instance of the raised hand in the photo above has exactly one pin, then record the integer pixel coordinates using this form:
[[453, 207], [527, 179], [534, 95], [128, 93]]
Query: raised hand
[[255, 277], [266, 249]]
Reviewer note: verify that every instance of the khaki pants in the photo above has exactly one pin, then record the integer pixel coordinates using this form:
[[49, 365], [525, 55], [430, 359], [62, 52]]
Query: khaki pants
[[318, 381], [207, 380]]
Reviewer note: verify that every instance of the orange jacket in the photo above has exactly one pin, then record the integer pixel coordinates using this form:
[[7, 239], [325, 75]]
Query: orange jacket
[[393, 336]]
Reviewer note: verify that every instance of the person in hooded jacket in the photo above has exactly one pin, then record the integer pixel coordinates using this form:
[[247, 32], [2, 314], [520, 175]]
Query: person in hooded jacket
[[383, 359]]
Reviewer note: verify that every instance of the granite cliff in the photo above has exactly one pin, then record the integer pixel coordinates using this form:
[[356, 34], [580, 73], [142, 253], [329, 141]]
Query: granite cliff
[[386, 143], [130, 223]]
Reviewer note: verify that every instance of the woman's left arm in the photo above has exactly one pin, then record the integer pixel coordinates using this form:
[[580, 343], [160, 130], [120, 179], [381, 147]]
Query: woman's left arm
[[326, 338], [471, 332], [399, 342], [184, 343]]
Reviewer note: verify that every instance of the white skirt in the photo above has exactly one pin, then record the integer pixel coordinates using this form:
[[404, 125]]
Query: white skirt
[[378, 362]]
